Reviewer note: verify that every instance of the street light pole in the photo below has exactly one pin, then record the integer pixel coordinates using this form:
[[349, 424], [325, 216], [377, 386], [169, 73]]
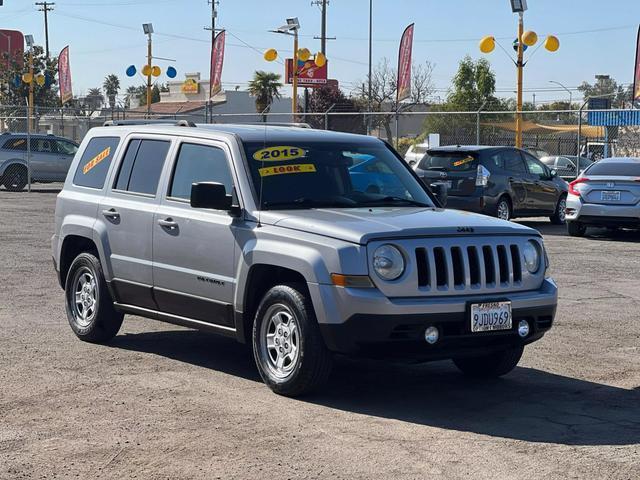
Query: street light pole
[[566, 89], [520, 66], [370, 60], [148, 30], [294, 100]]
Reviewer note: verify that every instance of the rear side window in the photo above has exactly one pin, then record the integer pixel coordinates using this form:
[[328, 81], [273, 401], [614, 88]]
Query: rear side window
[[449, 161], [142, 165], [615, 169], [512, 161], [199, 163], [19, 144], [96, 159]]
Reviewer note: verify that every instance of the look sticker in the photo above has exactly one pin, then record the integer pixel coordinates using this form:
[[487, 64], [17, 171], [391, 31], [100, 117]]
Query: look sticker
[[96, 160], [464, 161], [286, 169], [278, 154]]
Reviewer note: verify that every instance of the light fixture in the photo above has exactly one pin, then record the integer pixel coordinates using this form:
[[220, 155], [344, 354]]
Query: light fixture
[[29, 40], [148, 28], [518, 6], [293, 23]]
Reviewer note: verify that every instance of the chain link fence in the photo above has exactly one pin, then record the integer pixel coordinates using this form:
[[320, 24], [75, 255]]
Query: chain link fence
[[38, 146]]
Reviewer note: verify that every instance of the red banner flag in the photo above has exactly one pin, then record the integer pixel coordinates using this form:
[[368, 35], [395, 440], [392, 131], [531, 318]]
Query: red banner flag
[[636, 75], [404, 64], [217, 60], [64, 75]]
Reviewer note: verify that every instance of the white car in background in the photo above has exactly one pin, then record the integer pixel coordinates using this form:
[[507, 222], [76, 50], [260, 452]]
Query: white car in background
[[415, 153]]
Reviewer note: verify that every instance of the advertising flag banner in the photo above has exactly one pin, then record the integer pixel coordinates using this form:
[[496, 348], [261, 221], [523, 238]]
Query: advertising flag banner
[[64, 75], [636, 73], [404, 64], [217, 60]]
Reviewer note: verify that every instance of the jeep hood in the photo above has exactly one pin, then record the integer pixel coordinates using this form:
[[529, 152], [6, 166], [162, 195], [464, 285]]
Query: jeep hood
[[361, 225]]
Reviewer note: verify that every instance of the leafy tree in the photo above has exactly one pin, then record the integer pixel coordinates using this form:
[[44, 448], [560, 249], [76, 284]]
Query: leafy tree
[[265, 87], [111, 87], [43, 96], [327, 97], [607, 86], [473, 84], [132, 93]]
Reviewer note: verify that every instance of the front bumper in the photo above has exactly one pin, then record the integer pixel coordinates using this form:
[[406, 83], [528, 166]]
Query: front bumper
[[604, 215], [365, 322]]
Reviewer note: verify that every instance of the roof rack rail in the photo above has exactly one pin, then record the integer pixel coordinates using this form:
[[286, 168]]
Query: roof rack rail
[[279, 124], [175, 123]]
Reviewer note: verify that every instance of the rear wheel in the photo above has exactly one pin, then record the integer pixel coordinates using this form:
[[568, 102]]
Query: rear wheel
[[490, 365], [576, 229], [15, 178], [558, 217], [503, 209]]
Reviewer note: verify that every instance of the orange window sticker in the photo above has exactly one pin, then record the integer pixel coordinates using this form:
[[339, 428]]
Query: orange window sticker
[[96, 160], [286, 169], [464, 161], [279, 153], [19, 142]]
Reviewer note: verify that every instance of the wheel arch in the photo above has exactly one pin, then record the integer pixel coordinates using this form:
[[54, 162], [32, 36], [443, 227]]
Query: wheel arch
[[72, 246]]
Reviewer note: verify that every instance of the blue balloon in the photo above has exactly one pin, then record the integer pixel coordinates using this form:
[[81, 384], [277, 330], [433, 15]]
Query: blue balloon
[[17, 81], [131, 71], [515, 46], [171, 72], [48, 80]]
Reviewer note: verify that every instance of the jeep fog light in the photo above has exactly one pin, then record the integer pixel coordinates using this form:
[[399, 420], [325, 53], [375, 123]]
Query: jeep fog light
[[431, 335], [523, 328], [388, 262]]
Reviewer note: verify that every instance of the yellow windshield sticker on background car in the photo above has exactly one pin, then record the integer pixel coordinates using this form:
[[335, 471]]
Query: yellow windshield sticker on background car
[[96, 160], [464, 161], [285, 169], [278, 154]]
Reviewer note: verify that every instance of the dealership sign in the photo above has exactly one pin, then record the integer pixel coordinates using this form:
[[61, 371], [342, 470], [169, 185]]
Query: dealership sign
[[309, 74], [11, 44]]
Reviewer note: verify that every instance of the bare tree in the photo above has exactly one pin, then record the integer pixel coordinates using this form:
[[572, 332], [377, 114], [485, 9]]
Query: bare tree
[[384, 84]]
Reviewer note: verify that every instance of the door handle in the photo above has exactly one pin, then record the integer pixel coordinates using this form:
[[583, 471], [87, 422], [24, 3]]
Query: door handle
[[111, 213], [168, 223]]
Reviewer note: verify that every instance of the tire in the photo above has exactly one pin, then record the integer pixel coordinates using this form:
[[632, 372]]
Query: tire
[[576, 229], [491, 365], [503, 210], [558, 217], [287, 345], [100, 321], [15, 178]]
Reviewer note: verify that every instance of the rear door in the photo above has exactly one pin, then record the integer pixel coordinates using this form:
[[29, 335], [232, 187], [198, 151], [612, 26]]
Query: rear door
[[44, 157], [65, 152], [542, 192], [457, 169]]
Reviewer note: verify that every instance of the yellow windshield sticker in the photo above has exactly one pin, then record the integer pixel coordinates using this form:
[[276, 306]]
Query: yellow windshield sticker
[[19, 142], [278, 154], [96, 160], [464, 161], [285, 169]]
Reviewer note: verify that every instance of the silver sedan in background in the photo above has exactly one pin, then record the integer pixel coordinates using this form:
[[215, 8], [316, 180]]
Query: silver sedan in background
[[565, 165], [607, 194]]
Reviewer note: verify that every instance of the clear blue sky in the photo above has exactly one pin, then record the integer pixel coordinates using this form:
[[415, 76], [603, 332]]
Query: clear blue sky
[[596, 37]]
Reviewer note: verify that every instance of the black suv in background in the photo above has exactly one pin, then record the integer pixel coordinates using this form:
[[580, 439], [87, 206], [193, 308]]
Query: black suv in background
[[505, 182]]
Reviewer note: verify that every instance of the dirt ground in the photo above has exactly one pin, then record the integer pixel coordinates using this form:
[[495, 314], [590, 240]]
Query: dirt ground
[[163, 402]]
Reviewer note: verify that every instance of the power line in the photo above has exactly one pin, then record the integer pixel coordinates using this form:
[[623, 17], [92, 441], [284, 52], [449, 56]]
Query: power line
[[46, 7]]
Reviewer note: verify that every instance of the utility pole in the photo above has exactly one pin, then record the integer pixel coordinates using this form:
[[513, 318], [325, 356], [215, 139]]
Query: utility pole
[[46, 7], [323, 28], [214, 15], [370, 59]]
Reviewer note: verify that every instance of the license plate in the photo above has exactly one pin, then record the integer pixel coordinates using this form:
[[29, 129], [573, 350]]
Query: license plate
[[491, 316], [610, 196]]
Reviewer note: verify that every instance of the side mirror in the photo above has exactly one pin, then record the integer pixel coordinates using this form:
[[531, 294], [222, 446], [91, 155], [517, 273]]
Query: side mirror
[[440, 191], [412, 163], [553, 173], [210, 195]]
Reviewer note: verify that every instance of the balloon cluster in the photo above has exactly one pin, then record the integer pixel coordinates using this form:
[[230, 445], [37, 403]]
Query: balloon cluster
[[42, 80], [151, 70], [303, 55], [529, 39]]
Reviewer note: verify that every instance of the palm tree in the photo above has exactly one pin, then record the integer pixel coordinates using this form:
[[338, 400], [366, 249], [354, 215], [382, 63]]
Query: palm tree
[[94, 99], [133, 92], [111, 87], [264, 87]]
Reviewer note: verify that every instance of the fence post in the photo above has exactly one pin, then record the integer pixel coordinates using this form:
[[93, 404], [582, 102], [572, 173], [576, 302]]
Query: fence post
[[326, 117], [478, 122], [397, 129], [28, 148]]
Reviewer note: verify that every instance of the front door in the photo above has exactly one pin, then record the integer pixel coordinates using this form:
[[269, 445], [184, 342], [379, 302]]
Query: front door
[[542, 192], [127, 215], [194, 250]]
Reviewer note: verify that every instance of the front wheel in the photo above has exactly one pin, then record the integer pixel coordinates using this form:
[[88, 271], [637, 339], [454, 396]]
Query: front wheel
[[490, 365], [558, 217], [89, 305], [287, 345]]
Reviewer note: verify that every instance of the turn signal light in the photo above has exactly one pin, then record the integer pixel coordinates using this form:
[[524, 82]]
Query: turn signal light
[[572, 185], [351, 281]]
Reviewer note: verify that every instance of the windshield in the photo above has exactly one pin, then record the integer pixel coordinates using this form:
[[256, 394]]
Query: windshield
[[331, 175], [449, 161]]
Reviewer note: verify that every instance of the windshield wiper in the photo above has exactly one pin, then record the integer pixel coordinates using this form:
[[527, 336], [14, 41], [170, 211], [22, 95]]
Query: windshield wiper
[[307, 202], [391, 198]]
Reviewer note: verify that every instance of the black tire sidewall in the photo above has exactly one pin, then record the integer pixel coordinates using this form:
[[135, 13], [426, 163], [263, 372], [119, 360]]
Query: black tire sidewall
[[509, 207], [10, 173]]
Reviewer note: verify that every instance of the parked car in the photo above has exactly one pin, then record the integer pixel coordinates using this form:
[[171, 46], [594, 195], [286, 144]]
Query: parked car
[[51, 157], [536, 152], [264, 234], [565, 165], [415, 153], [607, 194], [505, 182]]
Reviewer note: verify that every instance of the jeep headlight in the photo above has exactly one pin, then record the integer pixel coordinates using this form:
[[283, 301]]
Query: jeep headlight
[[388, 262], [532, 256]]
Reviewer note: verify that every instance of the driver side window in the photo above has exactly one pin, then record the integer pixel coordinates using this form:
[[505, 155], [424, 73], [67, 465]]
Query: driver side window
[[536, 167]]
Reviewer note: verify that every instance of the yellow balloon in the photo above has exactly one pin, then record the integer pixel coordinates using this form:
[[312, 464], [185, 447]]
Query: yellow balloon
[[270, 55], [27, 78], [155, 71], [304, 54], [146, 70], [529, 38], [487, 44], [552, 43], [320, 60], [40, 80]]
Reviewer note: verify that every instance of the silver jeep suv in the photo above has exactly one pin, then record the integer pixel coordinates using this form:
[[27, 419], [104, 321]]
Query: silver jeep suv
[[300, 242]]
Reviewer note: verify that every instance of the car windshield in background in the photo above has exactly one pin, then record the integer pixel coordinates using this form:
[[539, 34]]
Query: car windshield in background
[[615, 169], [331, 175], [449, 161]]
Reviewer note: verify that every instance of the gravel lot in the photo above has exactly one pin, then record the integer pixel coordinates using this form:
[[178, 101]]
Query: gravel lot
[[162, 402]]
